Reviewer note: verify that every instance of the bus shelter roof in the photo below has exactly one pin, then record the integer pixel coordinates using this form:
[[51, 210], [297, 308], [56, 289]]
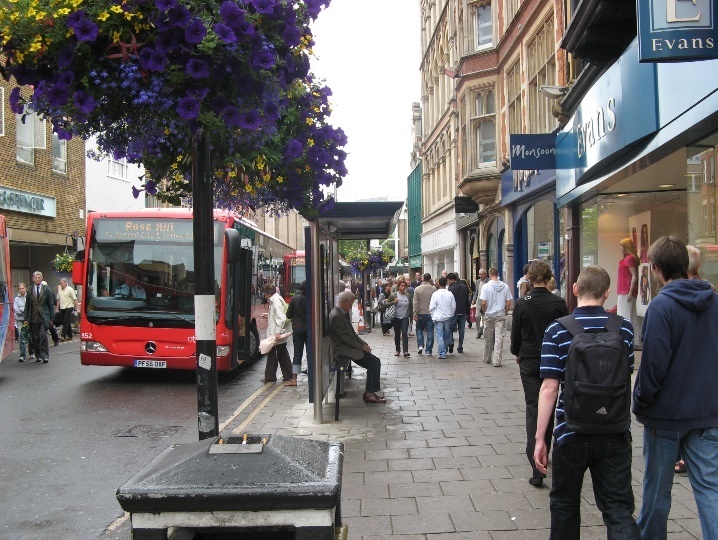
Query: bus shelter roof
[[361, 220]]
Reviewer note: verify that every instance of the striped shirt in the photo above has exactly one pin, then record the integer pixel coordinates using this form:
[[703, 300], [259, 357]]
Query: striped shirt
[[554, 352]]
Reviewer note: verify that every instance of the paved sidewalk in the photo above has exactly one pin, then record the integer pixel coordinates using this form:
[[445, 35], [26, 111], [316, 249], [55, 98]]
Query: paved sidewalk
[[445, 457]]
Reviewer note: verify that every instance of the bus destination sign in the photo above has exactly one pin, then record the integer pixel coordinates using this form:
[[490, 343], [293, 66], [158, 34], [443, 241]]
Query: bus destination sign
[[178, 230]]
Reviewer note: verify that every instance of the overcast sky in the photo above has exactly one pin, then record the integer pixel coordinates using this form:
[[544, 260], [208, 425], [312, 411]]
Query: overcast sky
[[368, 52]]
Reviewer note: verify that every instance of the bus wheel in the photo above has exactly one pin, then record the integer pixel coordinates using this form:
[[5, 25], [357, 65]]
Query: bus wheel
[[253, 342]]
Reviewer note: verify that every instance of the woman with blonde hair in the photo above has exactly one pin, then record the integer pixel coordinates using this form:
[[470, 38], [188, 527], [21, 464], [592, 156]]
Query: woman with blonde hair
[[627, 285]]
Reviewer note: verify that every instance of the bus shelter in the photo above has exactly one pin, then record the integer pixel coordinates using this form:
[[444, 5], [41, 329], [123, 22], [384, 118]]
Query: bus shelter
[[345, 221]]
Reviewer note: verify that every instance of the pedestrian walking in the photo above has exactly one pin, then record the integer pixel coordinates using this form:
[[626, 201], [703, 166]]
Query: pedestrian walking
[[422, 315], [297, 313], [39, 313], [592, 429], [495, 302], [23, 336], [387, 310], [675, 392], [476, 302], [402, 301], [462, 295], [67, 304], [442, 307], [276, 320], [533, 313]]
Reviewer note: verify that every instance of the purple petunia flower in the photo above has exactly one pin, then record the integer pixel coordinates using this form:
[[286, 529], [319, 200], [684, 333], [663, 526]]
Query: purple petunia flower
[[63, 134], [151, 187], [245, 28], [57, 94], [66, 77], [314, 7], [86, 30], [188, 108], [264, 59], [157, 62], [292, 36], [250, 120], [84, 102], [195, 31], [231, 116], [179, 16], [145, 57], [65, 57], [231, 13], [198, 93], [225, 33], [75, 18], [15, 105], [135, 192], [293, 150], [271, 109], [165, 5], [263, 6], [198, 69]]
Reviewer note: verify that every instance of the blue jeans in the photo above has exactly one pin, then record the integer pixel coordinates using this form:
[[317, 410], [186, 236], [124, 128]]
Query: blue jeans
[[699, 448], [299, 340], [458, 322], [425, 324], [443, 335], [608, 457]]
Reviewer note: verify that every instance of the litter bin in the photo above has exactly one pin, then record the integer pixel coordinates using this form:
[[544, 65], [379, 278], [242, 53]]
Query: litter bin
[[261, 483]]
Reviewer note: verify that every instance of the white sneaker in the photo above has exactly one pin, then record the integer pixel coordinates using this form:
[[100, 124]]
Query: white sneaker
[[421, 350]]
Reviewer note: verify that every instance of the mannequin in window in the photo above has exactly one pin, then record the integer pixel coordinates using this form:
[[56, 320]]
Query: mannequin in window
[[627, 286]]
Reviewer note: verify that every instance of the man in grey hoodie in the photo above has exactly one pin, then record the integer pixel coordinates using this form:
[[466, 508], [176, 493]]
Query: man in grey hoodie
[[495, 302]]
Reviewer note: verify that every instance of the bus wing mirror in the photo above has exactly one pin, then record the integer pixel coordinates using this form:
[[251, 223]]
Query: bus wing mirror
[[233, 245], [77, 267]]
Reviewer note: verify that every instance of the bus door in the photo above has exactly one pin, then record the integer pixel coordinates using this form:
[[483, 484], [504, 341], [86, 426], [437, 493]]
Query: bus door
[[246, 341]]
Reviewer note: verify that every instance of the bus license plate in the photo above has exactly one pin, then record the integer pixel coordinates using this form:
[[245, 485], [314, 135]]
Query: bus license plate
[[151, 363]]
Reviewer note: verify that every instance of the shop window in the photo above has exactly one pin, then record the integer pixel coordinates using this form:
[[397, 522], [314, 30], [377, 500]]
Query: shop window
[[59, 154], [483, 28], [513, 96], [495, 246], [541, 71]]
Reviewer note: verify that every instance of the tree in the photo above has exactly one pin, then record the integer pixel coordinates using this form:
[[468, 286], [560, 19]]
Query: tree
[[352, 249]]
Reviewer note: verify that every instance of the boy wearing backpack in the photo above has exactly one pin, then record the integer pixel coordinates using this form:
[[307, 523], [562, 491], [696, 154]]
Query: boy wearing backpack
[[589, 354]]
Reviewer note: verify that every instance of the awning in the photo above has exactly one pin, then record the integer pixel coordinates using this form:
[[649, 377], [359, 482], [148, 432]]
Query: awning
[[361, 220]]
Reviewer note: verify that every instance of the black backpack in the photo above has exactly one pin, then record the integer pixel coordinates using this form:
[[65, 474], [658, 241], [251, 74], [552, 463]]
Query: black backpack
[[597, 386]]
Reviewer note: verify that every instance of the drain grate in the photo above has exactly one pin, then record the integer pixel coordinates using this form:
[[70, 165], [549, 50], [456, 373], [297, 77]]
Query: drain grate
[[251, 439], [148, 431]]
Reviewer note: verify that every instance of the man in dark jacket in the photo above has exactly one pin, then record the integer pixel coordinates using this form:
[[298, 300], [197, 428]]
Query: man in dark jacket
[[297, 312], [39, 312], [533, 313], [675, 393], [462, 295]]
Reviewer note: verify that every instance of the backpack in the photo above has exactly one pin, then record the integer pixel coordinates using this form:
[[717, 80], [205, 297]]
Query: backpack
[[597, 386]]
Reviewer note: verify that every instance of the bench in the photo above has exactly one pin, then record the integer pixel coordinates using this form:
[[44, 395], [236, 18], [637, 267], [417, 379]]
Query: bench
[[342, 366]]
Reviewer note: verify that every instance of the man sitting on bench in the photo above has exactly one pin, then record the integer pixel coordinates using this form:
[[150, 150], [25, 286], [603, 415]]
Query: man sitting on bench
[[346, 343]]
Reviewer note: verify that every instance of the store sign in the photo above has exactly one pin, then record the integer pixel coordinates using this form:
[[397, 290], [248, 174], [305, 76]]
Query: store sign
[[517, 186], [465, 205], [532, 152], [617, 113], [28, 203], [677, 30]]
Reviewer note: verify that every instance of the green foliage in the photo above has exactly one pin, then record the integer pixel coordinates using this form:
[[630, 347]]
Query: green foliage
[[352, 249], [62, 262]]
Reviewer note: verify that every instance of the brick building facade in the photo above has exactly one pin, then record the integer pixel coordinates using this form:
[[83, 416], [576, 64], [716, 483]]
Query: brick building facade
[[42, 191]]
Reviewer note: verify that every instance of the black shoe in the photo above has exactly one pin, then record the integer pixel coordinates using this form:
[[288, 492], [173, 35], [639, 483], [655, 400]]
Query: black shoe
[[57, 343], [45, 361], [38, 360], [536, 481], [460, 350], [451, 348], [21, 359], [305, 372]]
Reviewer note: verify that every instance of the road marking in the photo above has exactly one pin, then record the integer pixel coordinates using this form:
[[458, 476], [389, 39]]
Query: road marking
[[255, 412], [118, 522], [244, 405]]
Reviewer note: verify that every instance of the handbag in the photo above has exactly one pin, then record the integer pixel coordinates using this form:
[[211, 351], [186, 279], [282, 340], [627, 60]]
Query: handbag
[[390, 313]]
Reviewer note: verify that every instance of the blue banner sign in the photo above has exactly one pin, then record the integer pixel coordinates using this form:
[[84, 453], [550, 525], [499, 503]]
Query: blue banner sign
[[677, 30], [532, 152]]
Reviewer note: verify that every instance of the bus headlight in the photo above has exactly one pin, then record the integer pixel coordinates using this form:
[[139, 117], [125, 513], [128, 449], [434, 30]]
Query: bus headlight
[[92, 346], [223, 350]]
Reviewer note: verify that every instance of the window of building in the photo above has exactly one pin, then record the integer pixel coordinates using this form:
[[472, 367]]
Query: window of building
[[59, 154], [513, 95], [29, 134], [483, 122], [483, 30], [541, 71], [117, 168], [512, 7], [2, 112]]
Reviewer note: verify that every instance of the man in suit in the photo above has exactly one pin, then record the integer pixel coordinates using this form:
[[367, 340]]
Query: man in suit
[[39, 313], [346, 343]]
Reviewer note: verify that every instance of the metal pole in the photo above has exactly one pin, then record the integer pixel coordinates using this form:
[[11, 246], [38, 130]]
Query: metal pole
[[204, 299], [317, 315]]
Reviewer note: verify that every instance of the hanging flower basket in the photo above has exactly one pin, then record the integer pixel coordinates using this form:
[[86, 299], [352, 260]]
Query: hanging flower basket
[[145, 76], [373, 260], [62, 263]]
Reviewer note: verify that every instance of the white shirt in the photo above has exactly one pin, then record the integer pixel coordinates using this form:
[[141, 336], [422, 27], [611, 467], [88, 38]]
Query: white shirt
[[442, 305], [496, 293]]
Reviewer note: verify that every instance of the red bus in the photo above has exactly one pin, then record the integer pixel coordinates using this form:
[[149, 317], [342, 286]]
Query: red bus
[[137, 277], [294, 272], [7, 317]]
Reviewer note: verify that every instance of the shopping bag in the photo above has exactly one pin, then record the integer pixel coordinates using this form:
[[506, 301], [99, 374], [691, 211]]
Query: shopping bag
[[472, 314], [267, 344]]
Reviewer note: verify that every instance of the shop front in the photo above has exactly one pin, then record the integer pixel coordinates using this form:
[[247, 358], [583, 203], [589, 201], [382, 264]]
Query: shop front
[[440, 247], [638, 161], [530, 196]]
